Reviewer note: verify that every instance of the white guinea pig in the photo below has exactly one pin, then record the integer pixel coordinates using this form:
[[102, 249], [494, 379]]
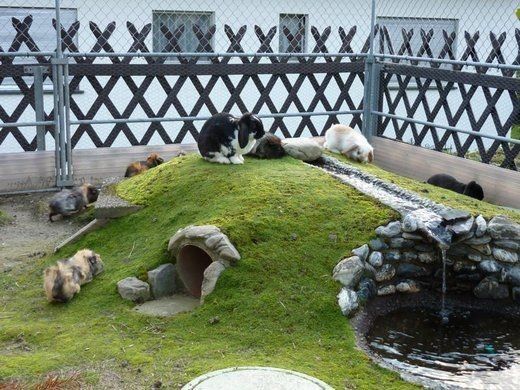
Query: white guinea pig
[[349, 142]]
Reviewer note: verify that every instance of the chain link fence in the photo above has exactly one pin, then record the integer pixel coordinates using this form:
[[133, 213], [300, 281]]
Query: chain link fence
[[149, 72]]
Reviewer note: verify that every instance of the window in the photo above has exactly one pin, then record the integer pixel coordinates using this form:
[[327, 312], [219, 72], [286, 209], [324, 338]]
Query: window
[[293, 33], [188, 41], [395, 25], [41, 31]]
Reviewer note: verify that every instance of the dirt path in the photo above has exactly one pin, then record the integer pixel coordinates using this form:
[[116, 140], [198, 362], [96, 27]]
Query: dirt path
[[29, 234]]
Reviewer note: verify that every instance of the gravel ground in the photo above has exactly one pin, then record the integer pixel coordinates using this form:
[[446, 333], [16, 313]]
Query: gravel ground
[[29, 234]]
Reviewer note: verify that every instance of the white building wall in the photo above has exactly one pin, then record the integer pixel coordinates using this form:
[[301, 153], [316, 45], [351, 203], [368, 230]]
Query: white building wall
[[473, 15]]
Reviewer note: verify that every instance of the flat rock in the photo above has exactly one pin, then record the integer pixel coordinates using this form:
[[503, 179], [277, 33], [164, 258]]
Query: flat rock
[[392, 255], [305, 149], [391, 230], [512, 276], [361, 252], [376, 259], [349, 271], [162, 280], [255, 378], [489, 266], [408, 286], [408, 256], [490, 288], [367, 289], [502, 228], [427, 257], [348, 301], [504, 255], [386, 272], [168, 306], [133, 289], [453, 215], [401, 243], [407, 270], [211, 275], [386, 290], [508, 244], [481, 226], [462, 227], [411, 223], [478, 240], [377, 244]]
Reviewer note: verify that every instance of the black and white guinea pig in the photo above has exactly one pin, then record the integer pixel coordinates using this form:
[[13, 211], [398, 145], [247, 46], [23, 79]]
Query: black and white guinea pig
[[224, 138]]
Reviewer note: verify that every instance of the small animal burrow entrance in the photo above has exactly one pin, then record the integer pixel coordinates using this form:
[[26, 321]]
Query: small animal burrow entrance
[[192, 261]]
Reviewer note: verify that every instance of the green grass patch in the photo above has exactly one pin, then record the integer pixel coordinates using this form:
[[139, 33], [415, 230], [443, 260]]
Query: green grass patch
[[5, 218], [436, 194], [277, 307]]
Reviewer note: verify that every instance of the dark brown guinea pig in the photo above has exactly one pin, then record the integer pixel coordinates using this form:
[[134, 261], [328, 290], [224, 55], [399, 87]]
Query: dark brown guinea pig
[[138, 167], [68, 202], [269, 146]]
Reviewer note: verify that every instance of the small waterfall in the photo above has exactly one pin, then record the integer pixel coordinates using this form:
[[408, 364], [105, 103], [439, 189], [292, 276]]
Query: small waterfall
[[444, 312]]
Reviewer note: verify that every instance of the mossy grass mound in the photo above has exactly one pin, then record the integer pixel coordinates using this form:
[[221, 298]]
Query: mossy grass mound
[[277, 307]]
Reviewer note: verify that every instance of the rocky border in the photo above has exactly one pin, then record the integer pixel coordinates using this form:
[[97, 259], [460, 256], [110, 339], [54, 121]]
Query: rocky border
[[482, 257]]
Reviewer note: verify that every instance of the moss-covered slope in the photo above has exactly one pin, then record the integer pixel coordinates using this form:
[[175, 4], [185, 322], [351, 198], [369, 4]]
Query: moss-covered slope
[[291, 223]]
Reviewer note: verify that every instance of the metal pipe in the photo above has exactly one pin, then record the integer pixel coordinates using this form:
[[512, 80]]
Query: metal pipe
[[203, 118], [20, 192], [38, 107], [27, 124], [446, 127], [56, 123], [453, 62], [26, 53], [57, 6], [67, 124], [372, 27], [220, 54]]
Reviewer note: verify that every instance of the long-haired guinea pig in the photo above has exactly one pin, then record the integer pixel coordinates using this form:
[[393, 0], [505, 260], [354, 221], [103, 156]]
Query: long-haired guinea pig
[[224, 138], [349, 142], [448, 182], [67, 202], [63, 280], [269, 146], [138, 167]]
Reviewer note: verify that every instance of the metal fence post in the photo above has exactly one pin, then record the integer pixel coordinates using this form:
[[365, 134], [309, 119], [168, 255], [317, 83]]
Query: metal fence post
[[38, 107], [64, 175], [369, 94]]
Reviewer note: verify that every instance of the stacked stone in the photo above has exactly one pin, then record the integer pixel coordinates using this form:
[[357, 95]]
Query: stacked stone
[[483, 258]]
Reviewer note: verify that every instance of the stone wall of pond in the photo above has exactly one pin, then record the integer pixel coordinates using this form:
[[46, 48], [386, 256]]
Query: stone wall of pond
[[482, 259]]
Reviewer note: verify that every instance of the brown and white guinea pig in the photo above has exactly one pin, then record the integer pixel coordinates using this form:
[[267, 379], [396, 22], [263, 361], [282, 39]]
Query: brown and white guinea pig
[[268, 147], [349, 142], [138, 167], [63, 280], [67, 202], [472, 189], [225, 139]]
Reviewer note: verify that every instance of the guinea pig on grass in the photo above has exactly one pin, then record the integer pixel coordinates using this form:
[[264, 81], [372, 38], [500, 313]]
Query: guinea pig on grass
[[349, 142], [138, 167], [268, 147], [448, 182], [63, 280], [68, 202]]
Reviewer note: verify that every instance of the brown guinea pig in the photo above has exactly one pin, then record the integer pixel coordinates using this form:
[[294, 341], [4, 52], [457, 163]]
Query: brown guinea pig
[[63, 280], [67, 202], [138, 167]]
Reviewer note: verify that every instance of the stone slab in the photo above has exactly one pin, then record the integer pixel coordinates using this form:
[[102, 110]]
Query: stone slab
[[168, 306], [256, 378]]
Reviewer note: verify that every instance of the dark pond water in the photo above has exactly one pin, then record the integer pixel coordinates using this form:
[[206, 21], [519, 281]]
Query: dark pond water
[[476, 349]]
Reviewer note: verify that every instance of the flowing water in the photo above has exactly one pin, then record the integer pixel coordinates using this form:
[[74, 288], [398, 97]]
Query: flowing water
[[476, 349], [444, 313]]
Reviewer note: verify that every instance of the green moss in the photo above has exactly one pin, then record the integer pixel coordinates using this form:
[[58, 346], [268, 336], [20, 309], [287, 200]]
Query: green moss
[[5, 218], [439, 195], [277, 307]]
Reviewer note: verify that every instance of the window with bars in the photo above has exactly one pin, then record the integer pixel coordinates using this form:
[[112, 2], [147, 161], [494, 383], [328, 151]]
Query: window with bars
[[395, 26], [179, 28], [41, 31], [293, 33]]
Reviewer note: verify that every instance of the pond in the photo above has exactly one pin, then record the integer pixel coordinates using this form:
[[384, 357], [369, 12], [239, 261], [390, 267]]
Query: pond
[[475, 349]]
